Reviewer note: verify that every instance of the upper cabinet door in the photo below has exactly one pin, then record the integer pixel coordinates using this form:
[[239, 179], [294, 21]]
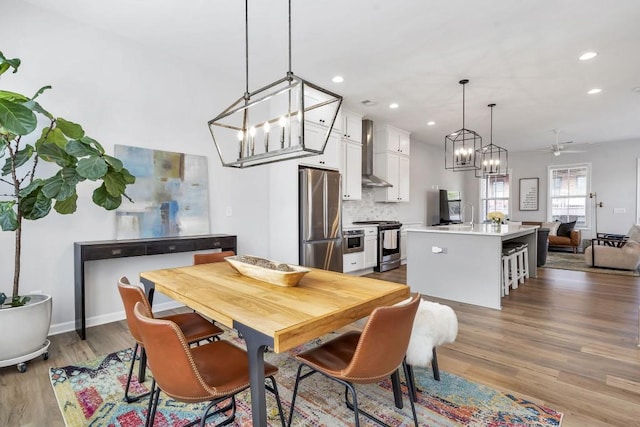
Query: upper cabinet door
[[392, 139], [404, 143], [314, 138], [321, 116], [352, 126]]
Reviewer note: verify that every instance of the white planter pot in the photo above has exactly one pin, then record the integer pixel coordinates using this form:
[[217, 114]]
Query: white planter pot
[[24, 330]]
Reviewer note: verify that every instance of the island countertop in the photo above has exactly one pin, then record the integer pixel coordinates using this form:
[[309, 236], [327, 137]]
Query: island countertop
[[477, 229]]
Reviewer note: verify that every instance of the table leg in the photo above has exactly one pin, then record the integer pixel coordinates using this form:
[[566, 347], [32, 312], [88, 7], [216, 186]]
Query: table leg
[[256, 343]]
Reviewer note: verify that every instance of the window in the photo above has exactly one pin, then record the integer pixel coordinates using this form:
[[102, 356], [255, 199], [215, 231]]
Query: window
[[494, 195], [568, 193]]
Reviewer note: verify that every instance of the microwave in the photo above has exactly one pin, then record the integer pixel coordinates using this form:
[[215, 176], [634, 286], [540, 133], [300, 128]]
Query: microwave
[[352, 241]]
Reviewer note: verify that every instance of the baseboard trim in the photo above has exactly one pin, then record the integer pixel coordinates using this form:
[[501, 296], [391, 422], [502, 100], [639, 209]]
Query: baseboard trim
[[60, 328]]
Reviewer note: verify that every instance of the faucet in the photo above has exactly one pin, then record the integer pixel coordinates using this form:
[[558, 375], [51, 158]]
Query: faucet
[[464, 209]]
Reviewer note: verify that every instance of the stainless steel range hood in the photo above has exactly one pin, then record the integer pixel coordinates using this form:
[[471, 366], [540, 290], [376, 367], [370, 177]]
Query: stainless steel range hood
[[368, 178]]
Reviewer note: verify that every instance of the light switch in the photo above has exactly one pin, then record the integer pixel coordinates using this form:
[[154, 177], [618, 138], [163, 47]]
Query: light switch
[[229, 211]]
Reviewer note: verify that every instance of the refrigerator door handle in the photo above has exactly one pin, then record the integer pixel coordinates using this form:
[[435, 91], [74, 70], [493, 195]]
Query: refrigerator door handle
[[325, 202]]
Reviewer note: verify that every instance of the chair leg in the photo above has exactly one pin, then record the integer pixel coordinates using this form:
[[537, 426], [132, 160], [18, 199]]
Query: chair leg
[[434, 365], [202, 421], [153, 404], [354, 406], [411, 384], [127, 398], [274, 389], [397, 389], [405, 367], [295, 393]]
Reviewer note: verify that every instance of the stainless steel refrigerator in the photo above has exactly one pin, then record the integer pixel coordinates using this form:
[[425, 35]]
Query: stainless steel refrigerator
[[320, 219]]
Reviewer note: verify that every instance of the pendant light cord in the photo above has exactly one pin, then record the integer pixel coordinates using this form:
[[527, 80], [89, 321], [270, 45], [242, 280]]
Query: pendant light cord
[[246, 48], [290, 72]]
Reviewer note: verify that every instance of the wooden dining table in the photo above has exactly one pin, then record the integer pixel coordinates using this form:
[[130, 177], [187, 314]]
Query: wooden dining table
[[273, 316]]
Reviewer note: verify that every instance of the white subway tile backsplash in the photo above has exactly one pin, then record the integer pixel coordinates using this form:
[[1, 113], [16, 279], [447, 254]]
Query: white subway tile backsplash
[[368, 209]]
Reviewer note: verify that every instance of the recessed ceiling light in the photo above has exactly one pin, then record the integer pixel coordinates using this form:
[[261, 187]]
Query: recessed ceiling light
[[337, 79], [594, 91], [431, 123], [393, 105], [588, 55]]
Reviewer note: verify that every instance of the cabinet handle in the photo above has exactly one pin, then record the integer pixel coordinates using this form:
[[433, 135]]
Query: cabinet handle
[[353, 263], [116, 251]]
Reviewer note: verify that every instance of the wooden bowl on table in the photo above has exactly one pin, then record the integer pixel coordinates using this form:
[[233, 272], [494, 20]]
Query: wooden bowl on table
[[266, 270]]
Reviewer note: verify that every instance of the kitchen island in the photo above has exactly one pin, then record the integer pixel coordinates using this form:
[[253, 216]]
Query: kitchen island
[[463, 262]]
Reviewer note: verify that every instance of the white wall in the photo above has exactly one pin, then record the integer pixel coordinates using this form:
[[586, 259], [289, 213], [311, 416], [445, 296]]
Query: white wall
[[122, 93], [613, 178]]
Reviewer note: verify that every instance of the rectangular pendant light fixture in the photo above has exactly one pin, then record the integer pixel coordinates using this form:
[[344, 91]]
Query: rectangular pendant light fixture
[[268, 125]]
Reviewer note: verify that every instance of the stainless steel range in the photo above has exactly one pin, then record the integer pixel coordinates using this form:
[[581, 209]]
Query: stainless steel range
[[388, 243]]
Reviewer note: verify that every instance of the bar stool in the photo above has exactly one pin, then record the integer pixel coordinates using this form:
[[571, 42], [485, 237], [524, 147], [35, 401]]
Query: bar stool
[[509, 269], [521, 261]]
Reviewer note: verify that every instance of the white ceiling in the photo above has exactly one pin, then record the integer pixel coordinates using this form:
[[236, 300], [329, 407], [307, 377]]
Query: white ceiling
[[521, 55]]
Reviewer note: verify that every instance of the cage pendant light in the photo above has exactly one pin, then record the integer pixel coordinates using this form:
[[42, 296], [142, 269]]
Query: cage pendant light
[[268, 125], [494, 160], [461, 146]]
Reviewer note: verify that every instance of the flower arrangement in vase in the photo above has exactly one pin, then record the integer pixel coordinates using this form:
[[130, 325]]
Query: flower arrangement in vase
[[496, 218]]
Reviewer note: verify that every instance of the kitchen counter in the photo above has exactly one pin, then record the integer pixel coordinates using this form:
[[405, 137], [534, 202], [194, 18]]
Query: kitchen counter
[[476, 229], [463, 263]]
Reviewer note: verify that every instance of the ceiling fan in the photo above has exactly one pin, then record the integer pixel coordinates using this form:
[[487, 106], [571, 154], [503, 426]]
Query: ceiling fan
[[558, 147]]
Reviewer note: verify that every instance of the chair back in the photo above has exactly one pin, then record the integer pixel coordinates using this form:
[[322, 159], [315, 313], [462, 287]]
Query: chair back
[[130, 296], [383, 342], [169, 358], [211, 257]]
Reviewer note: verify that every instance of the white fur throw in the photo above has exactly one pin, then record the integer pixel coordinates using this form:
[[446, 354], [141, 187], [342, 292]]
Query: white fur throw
[[435, 324]]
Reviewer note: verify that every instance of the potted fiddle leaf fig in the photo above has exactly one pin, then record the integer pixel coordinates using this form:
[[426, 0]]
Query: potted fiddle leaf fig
[[29, 136]]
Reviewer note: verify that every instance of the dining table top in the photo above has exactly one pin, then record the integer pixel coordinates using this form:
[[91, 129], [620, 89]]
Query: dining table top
[[322, 302]]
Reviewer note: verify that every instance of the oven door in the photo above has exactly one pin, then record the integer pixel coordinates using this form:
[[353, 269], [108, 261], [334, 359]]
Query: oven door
[[389, 245]]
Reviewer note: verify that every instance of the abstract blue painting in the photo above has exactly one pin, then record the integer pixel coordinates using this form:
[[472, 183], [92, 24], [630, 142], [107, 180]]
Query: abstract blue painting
[[170, 195]]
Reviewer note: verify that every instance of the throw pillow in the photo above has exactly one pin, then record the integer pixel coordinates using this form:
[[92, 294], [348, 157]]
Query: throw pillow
[[634, 233], [552, 226], [565, 228]]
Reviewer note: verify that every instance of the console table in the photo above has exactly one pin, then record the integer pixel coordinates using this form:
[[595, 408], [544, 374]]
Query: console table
[[108, 249]]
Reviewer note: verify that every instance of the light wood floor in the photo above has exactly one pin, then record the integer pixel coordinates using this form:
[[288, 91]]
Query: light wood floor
[[566, 339]]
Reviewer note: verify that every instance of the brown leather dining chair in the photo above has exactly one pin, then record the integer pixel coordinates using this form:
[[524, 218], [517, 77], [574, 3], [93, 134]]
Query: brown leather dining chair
[[211, 257], [194, 327], [363, 357], [212, 372]]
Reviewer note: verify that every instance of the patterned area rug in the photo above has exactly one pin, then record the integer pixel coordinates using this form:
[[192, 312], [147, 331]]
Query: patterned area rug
[[90, 394], [571, 261]]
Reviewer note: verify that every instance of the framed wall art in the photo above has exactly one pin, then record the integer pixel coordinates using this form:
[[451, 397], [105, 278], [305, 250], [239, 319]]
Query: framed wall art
[[529, 194], [170, 195]]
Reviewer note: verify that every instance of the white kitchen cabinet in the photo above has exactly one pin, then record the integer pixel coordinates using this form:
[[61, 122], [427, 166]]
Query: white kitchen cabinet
[[370, 247], [351, 169], [314, 137], [352, 126], [391, 146], [352, 262], [391, 139], [322, 115], [393, 168]]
